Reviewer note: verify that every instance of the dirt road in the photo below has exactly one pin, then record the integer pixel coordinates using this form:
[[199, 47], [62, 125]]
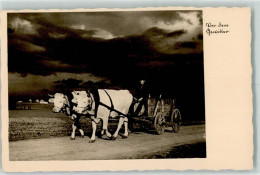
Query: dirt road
[[138, 145]]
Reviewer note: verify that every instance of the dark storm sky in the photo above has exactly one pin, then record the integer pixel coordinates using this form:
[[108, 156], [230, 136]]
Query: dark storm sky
[[94, 46]]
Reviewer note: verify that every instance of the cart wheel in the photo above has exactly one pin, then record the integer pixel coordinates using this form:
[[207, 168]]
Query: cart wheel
[[159, 123], [176, 120]]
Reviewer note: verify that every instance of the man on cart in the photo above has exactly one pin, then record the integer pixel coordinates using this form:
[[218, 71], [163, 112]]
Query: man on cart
[[141, 97]]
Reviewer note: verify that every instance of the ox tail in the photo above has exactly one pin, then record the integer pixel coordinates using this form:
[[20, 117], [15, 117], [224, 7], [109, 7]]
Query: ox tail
[[130, 116], [131, 109]]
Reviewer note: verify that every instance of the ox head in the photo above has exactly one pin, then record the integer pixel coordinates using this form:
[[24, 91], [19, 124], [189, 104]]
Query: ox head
[[83, 101], [59, 100], [76, 95]]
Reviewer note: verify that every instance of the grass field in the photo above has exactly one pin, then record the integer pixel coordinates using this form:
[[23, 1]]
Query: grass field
[[40, 123]]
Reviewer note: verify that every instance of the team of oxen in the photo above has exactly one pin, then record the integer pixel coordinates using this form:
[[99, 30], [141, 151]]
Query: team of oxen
[[99, 105]]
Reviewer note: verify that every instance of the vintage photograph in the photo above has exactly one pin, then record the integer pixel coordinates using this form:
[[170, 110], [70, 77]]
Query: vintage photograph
[[106, 85]]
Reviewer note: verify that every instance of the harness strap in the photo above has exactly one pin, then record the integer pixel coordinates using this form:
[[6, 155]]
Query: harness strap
[[93, 119], [67, 107], [96, 100], [91, 101], [112, 105], [66, 111]]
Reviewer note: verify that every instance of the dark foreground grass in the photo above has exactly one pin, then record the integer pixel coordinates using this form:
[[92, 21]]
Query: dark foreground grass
[[37, 124], [197, 150]]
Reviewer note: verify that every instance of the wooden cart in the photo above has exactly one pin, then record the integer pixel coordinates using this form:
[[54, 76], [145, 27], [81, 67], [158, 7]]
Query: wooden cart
[[157, 118]]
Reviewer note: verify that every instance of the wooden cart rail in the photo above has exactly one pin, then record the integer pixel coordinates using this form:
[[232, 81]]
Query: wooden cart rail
[[160, 114]]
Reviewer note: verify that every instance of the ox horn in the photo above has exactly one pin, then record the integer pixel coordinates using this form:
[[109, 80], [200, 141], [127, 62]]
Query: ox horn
[[51, 95]]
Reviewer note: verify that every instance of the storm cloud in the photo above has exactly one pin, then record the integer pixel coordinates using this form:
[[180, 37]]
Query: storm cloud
[[55, 42]]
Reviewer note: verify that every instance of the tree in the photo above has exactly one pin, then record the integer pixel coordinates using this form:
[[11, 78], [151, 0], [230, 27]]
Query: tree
[[67, 85]]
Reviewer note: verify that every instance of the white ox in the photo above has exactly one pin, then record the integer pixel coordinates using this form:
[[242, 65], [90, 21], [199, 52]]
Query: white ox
[[63, 104], [103, 104]]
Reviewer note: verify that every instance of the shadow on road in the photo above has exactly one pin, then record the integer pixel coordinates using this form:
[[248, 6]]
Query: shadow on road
[[197, 150]]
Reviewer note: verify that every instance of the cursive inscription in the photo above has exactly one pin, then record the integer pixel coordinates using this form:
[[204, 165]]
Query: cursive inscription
[[220, 28]]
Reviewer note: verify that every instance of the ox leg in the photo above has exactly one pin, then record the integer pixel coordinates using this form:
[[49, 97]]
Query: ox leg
[[77, 124], [121, 121], [105, 128], [94, 129], [126, 128], [81, 132], [73, 132], [102, 132]]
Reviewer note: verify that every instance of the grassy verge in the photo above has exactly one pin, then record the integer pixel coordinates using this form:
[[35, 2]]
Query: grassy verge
[[197, 150]]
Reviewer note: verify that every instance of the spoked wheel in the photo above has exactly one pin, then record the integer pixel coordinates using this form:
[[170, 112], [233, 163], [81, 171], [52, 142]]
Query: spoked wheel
[[176, 120], [159, 123]]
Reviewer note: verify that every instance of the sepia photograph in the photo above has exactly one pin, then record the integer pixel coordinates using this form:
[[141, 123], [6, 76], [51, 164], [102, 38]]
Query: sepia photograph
[[106, 85]]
